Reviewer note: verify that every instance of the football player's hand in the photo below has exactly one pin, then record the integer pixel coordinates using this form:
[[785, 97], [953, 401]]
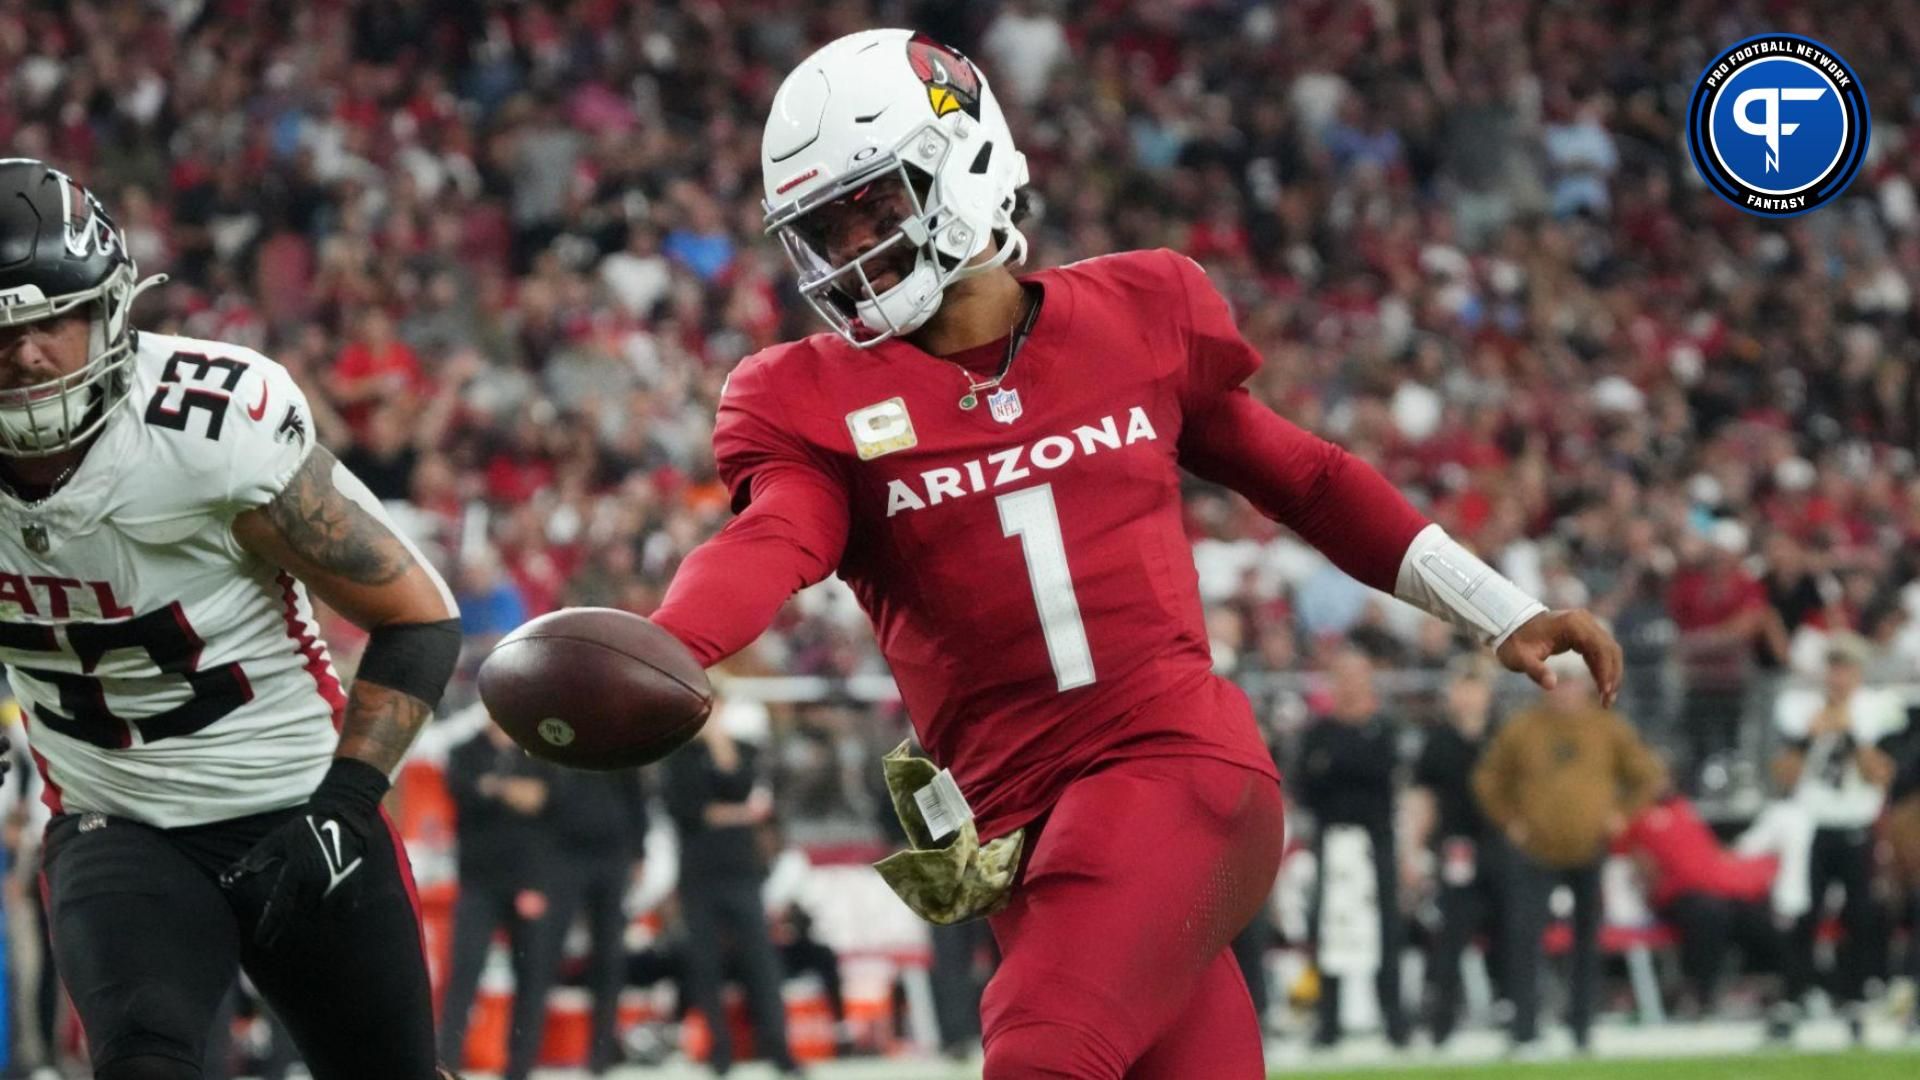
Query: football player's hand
[[6, 756], [1553, 632], [313, 861]]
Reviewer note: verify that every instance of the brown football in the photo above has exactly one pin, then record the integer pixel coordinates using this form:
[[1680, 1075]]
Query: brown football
[[595, 688]]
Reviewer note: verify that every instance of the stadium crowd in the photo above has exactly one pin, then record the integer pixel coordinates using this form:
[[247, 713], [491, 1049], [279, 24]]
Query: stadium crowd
[[511, 251]]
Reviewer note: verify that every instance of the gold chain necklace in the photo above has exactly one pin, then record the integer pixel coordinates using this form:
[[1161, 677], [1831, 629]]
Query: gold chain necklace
[[1017, 336]]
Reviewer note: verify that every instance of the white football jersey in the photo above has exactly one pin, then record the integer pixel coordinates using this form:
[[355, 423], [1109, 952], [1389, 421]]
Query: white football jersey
[[168, 675]]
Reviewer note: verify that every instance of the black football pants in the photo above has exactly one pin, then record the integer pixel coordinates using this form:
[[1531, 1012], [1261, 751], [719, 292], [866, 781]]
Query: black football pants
[[1844, 856], [148, 944]]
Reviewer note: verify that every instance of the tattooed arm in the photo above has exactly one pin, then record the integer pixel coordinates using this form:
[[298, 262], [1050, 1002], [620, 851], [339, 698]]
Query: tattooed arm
[[328, 530]]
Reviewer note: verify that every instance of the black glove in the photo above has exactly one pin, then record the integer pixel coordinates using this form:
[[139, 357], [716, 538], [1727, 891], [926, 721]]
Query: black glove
[[6, 756], [313, 860]]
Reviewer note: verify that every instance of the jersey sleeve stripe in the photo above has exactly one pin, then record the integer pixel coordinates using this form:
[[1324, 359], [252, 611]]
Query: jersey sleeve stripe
[[50, 793], [307, 642]]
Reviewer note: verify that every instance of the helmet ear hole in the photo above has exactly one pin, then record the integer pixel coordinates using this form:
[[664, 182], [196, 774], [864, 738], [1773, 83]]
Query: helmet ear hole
[[980, 160]]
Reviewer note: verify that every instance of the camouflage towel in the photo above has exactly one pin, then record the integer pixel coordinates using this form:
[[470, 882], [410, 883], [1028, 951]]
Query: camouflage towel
[[952, 881]]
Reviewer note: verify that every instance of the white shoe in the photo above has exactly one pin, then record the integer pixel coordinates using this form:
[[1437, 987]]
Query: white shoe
[[1531, 1050]]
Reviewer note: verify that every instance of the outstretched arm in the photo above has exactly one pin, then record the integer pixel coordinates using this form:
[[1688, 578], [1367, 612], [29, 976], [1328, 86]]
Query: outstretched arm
[[729, 589], [1344, 507]]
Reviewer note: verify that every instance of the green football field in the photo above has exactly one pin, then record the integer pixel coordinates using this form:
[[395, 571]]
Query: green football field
[[1856, 1066]]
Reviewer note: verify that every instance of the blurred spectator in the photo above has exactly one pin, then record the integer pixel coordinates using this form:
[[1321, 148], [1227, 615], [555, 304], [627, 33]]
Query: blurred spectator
[[1560, 779], [1581, 154], [1903, 835], [701, 242], [1636, 605], [1836, 764], [1346, 774], [1713, 898], [375, 367], [36, 999], [541, 154], [594, 830], [1022, 47], [638, 277], [1448, 832], [501, 797], [385, 452], [490, 604], [960, 952], [714, 793], [801, 952], [1722, 615]]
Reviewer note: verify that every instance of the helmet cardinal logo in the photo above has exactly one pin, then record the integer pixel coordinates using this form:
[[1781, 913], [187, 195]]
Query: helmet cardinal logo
[[952, 83]]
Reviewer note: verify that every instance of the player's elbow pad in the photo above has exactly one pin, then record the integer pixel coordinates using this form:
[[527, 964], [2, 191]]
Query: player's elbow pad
[[416, 659]]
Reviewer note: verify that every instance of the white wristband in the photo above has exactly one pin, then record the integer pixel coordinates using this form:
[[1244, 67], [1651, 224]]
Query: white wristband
[[1441, 578]]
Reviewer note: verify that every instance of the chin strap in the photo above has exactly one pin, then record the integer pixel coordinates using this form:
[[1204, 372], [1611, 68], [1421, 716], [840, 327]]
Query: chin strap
[[1013, 249]]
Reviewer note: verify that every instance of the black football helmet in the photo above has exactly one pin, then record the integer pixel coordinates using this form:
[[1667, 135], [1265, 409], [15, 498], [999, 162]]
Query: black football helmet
[[60, 250]]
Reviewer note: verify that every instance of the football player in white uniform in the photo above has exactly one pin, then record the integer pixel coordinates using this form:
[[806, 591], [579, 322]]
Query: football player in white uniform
[[164, 511]]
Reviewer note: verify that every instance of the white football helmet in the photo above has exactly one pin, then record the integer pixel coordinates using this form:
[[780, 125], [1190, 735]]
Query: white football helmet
[[891, 104]]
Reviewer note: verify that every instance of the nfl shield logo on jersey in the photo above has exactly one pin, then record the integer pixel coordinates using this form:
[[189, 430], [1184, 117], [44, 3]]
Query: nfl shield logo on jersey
[[1004, 405]]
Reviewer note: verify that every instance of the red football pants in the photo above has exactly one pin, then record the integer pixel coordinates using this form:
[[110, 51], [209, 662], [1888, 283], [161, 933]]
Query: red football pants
[[1115, 959]]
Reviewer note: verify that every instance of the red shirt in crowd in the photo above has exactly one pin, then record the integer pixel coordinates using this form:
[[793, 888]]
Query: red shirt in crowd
[[1686, 857], [360, 362], [1701, 598]]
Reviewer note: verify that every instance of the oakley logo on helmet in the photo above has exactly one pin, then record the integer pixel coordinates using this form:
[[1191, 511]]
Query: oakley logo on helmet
[[952, 83]]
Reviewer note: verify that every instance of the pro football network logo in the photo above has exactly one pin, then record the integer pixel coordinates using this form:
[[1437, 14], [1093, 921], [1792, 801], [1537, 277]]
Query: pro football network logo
[[1778, 125], [952, 83]]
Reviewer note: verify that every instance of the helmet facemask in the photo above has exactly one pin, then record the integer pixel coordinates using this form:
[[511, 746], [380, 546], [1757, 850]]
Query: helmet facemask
[[943, 244], [59, 414]]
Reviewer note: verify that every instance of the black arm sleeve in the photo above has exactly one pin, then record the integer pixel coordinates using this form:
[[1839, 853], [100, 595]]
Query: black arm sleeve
[[416, 659]]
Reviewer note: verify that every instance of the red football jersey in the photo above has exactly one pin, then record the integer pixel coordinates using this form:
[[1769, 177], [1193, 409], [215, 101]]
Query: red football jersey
[[1023, 561]]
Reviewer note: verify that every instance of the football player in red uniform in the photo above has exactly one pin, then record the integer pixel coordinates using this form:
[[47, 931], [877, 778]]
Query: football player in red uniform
[[992, 462]]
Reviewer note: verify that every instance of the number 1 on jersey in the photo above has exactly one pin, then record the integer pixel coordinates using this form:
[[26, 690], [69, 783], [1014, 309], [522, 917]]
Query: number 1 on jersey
[[1029, 514]]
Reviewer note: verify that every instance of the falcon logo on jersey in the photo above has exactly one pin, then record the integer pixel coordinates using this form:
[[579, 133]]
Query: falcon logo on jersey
[[1003, 468], [881, 429], [292, 426], [1004, 405], [952, 84]]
